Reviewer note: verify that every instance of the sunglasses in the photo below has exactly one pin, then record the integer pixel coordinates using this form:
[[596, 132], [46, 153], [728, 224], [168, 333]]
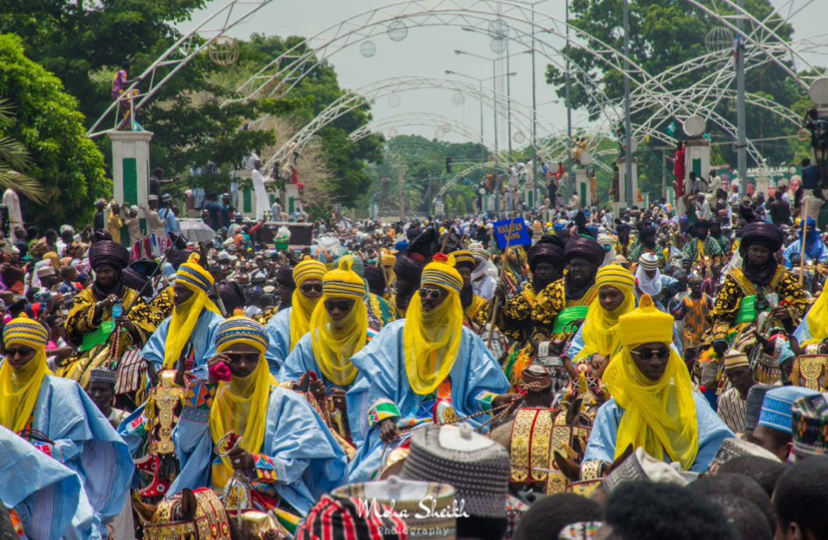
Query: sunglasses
[[309, 287], [658, 354], [431, 294], [23, 351], [342, 306], [236, 357]]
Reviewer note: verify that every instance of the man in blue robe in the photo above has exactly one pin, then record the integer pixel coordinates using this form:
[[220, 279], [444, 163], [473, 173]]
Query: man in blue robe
[[57, 417], [424, 368], [190, 332], [653, 404], [44, 495], [285, 448]]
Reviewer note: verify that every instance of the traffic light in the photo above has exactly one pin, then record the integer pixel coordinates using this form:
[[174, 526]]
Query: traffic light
[[448, 165]]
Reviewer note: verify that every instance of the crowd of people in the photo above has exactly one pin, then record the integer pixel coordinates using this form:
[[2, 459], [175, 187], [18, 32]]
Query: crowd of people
[[633, 376]]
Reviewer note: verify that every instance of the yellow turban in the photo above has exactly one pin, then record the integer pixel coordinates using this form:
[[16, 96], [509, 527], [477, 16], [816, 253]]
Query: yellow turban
[[301, 306], [645, 325], [431, 340], [20, 388], [599, 329], [240, 405], [659, 416], [185, 316], [333, 346]]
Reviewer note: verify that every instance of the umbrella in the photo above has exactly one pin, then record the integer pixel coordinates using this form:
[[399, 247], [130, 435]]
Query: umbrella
[[195, 231]]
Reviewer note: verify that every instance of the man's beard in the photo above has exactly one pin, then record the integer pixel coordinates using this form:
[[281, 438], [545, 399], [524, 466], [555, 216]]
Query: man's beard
[[466, 297], [539, 284]]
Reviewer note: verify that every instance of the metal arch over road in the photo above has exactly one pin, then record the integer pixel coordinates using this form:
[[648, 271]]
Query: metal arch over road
[[447, 13], [395, 85], [179, 55]]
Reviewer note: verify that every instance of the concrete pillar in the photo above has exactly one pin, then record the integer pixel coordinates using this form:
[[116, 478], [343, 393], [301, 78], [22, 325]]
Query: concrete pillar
[[697, 158], [290, 200], [131, 171], [582, 187], [627, 201]]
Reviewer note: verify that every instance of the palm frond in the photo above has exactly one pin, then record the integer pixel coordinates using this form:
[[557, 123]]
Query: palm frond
[[22, 184], [6, 111], [15, 154]]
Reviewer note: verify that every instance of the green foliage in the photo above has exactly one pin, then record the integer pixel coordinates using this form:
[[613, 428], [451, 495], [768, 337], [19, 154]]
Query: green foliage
[[47, 123], [665, 33]]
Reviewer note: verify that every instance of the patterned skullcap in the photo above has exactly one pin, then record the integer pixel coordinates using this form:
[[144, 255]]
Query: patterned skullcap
[[776, 407], [755, 397], [25, 331], [441, 272], [194, 276], [810, 426], [343, 282], [308, 269], [648, 261], [103, 375], [464, 258], [241, 329], [736, 359], [475, 465], [616, 276]]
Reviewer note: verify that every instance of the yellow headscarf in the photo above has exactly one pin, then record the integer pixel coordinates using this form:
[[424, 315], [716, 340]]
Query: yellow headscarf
[[241, 405], [598, 334], [333, 347], [431, 341], [658, 415], [302, 307], [818, 319], [184, 318], [19, 389]]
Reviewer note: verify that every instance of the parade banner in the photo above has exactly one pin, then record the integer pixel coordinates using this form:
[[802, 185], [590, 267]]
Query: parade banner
[[513, 231]]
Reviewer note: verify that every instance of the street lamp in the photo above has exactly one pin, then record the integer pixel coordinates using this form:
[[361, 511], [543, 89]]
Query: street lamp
[[480, 98], [494, 91]]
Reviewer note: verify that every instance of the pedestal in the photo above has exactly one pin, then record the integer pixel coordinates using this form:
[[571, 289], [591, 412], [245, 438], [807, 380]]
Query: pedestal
[[627, 201], [582, 188], [130, 172], [290, 200], [697, 158]]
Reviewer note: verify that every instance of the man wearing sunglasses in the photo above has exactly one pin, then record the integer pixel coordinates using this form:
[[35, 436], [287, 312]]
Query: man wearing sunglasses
[[653, 404], [424, 368], [189, 333], [289, 325]]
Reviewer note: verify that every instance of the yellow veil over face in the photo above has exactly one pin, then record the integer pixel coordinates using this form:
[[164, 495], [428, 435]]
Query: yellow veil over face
[[185, 316], [241, 404], [818, 319], [334, 344], [432, 340], [20, 388], [301, 306], [599, 334], [659, 416]]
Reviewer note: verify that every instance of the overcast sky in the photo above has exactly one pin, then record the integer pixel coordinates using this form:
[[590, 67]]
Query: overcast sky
[[429, 51]]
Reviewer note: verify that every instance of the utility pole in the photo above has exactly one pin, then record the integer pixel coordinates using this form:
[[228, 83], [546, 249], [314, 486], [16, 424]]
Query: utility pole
[[628, 183], [495, 102], [509, 98], [401, 189], [534, 116], [480, 99], [741, 144], [664, 173]]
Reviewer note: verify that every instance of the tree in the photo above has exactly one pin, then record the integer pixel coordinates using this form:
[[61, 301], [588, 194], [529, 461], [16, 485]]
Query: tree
[[663, 34], [14, 160], [47, 123]]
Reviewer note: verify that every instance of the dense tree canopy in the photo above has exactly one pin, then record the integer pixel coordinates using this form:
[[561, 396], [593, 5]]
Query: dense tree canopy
[[665, 33], [67, 164]]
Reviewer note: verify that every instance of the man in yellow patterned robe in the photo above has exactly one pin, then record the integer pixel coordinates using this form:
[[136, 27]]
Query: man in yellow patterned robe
[[90, 323], [476, 311]]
